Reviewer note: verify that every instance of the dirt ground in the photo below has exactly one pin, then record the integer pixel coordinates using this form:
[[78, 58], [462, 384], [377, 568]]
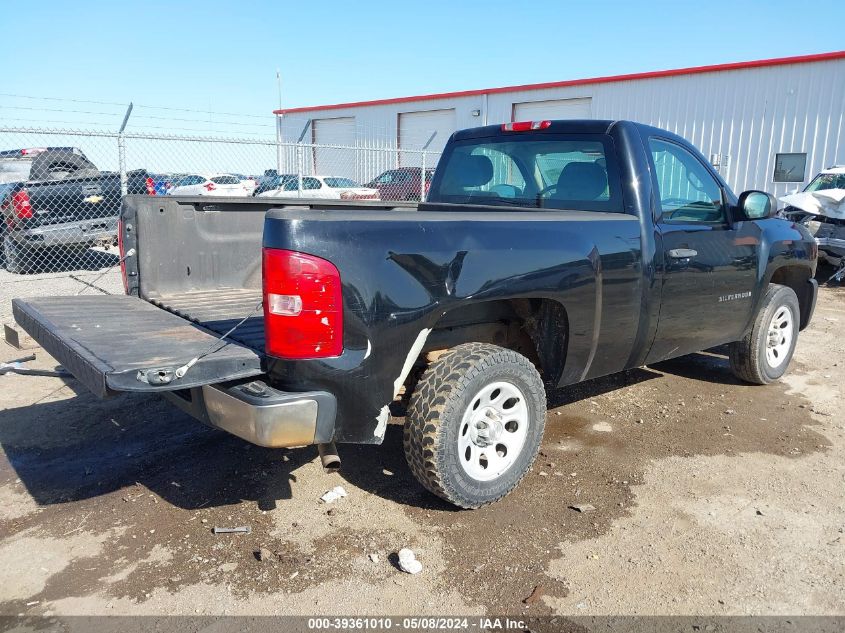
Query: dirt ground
[[710, 496]]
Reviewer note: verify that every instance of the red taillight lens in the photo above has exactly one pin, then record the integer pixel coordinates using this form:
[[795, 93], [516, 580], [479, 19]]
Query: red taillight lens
[[151, 187], [122, 251], [525, 126], [210, 186], [21, 205], [303, 305]]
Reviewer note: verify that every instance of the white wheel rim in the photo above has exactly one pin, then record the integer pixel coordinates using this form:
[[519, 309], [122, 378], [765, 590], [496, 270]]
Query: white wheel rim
[[779, 337], [492, 431]]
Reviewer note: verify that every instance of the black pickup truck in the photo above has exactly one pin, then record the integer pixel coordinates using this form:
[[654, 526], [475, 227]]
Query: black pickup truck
[[548, 253], [55, 198]]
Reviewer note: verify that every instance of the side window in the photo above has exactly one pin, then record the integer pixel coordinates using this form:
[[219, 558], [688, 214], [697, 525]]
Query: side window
[[688, 192], [386, 178], [307, 183], [401, 176]]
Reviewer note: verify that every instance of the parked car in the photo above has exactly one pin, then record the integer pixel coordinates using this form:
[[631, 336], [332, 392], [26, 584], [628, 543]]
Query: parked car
[[248, 182], [505, 283], [821, 208], [271, 180], [162, 183], [55, 198], [401, 184], [322, 187], [222, 185]]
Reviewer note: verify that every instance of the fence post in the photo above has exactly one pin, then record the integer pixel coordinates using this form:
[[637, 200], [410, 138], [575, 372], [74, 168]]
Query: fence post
[[422, 177], [299, 170], [422, 168], [279, 144], [121, 153]]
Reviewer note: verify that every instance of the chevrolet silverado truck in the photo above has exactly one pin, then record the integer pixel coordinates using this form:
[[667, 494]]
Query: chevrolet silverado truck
[[55, 198], [548, 253]]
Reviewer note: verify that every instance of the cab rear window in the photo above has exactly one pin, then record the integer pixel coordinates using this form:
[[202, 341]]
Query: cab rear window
[[14, 170], [547, 171]]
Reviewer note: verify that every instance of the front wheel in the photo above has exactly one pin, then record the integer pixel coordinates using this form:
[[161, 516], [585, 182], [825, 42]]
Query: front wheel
[[763, 355], [475, 423]]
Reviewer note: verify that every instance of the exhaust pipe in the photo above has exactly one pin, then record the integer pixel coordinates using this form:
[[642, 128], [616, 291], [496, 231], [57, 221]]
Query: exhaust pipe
[[328, 456]]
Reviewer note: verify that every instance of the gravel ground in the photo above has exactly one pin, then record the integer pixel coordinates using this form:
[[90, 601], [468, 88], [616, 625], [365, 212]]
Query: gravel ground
[[710, 497], [58, 282]]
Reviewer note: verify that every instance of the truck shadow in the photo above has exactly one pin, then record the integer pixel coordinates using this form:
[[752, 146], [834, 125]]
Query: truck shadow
[[74, 449], [69, 260], [711, 366], [79, 448]]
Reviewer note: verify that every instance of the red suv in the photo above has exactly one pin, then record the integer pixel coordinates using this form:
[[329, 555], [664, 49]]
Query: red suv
[[401, 184]]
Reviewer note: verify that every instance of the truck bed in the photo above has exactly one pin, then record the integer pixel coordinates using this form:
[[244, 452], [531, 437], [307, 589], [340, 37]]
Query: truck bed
[[220, 310]]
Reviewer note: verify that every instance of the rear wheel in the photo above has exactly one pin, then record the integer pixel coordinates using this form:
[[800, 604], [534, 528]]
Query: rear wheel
[[17, 258], [475, 423], [763, 355]]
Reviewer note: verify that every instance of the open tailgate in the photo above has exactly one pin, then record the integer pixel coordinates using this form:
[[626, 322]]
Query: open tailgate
[[113, 343]]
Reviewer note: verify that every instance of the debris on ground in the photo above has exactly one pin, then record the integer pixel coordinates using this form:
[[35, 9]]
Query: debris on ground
[[235, 530], [408, 561], [228, 567], [264, 555], [535, 595], [333, 495], [582, 507], [373, 558]]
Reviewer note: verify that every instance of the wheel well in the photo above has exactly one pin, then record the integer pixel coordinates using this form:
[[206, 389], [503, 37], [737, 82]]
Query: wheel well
[[796, 277], [536, 328]]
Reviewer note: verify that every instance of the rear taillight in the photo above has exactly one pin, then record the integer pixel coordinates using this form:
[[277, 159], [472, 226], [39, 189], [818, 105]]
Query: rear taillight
[[210, 186], [20, 205], [151, 187], [427, 187], [303, 306], [525, 126], [122, 251]]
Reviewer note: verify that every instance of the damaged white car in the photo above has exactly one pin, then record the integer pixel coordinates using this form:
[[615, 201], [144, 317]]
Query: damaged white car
[[821, 208]]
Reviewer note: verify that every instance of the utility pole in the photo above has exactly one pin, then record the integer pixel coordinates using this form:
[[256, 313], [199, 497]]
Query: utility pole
[[279, 125]]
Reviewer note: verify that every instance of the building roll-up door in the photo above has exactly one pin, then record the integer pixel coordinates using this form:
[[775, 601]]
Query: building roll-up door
[[554, 109], [416, 128], [334, 161]]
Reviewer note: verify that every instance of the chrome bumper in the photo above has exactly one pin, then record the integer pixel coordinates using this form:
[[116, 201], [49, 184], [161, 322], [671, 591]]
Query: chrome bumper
[[69, 233], [261, 414]]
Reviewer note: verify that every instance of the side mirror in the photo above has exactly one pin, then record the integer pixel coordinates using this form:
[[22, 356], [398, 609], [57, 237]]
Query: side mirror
[[757, 205]]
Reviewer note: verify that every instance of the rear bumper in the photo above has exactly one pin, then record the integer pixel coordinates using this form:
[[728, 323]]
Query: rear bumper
[[68, 233], [261, 414]]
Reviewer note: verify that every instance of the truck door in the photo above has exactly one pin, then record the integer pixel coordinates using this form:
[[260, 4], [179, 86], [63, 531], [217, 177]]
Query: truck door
[[709, 265]]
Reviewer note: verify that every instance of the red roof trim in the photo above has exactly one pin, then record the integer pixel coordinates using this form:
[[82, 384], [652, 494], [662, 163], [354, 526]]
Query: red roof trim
[[780, 61]]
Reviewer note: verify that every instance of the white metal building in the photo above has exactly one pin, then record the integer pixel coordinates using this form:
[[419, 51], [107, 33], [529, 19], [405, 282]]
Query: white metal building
[[768, 124]]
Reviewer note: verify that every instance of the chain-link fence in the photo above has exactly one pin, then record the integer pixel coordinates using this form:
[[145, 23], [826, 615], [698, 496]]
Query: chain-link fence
[[61, 189]]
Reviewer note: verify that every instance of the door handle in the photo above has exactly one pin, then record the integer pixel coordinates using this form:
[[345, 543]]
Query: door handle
[[682, 253]]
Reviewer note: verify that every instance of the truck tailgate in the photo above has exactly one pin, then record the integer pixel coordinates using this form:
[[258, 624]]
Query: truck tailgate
[[105, 341]]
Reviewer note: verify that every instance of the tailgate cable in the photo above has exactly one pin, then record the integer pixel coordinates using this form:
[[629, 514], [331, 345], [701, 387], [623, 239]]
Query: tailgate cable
[[165, 375], [93, 284]]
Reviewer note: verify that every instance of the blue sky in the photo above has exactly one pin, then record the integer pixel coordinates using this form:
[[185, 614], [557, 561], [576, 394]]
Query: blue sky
[[223, 56]]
